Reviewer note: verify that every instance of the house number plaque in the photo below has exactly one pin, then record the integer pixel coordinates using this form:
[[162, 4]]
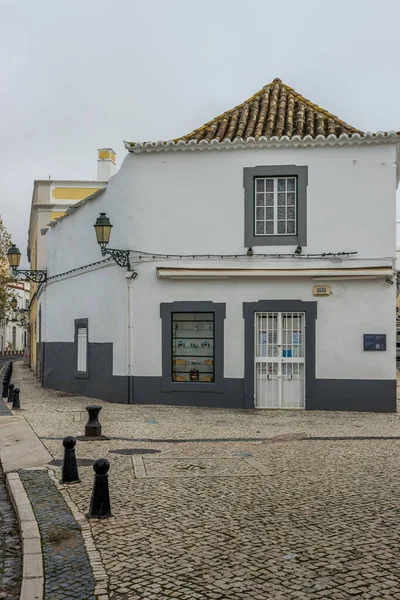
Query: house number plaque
[[321, 290]]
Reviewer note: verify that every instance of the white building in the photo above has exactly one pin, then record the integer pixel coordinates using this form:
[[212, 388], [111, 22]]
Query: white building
[[264, 246], [14, 328]]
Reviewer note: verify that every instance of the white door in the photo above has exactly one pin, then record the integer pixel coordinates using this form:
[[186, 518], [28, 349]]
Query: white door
[[279, 360]]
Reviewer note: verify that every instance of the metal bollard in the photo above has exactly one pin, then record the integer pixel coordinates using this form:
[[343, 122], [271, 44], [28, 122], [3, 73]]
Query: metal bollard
[[69, 470], [16, 404], [93, 427], [100, 500], [5, 388], [10, 392]]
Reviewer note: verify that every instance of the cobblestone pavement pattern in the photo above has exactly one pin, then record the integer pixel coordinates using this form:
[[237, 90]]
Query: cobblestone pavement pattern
[[323, 522], [10, 548], [66, 566]]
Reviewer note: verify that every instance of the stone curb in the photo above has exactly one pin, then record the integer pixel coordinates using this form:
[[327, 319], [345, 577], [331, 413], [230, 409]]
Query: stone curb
[[98, 570], [32, 558]]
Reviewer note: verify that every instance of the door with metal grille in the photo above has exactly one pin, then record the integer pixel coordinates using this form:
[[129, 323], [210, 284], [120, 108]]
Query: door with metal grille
[[279, 360]]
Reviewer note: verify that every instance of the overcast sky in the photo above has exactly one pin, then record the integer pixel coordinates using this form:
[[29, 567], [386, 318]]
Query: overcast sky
[[77, 75]]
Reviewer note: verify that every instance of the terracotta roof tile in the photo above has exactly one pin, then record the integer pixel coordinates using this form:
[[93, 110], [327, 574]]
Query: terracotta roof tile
[[275, 111]]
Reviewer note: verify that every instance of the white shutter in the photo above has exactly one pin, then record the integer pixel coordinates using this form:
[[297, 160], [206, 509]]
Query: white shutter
[[82, 349]]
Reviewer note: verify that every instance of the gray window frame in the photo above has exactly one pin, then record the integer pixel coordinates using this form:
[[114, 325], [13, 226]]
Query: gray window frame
[[249, 176], [78, 324], [166, 310]]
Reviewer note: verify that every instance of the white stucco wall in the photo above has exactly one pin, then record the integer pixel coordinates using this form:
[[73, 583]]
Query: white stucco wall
[[354, 308], [100, 296], [192, 203]]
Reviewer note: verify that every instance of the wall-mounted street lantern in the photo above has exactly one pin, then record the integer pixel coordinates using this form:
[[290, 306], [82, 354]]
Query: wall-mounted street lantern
[[14, 303], [103, 231], [14, 258]]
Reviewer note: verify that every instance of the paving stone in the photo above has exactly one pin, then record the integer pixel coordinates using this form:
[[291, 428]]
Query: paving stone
[[329, 504]]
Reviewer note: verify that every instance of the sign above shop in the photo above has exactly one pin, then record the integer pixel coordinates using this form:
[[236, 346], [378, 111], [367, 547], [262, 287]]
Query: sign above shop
[[375, 341], [321, 290]]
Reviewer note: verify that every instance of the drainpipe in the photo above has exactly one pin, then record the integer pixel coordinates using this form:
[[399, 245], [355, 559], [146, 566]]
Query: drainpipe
[[130, 281]]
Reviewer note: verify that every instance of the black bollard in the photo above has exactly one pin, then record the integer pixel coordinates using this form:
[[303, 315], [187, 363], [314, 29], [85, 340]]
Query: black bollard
[[69, 472], [5, 388], [93, 427], [100, 500], [16, 404], [10, 392]]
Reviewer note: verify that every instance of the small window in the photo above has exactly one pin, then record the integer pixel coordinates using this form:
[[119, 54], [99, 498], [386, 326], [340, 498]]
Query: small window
[[275, 205], [81, 366], [26, 304], [192, 351]]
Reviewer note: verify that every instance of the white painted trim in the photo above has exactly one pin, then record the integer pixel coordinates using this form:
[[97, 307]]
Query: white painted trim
[[165, 273], [283, 142]]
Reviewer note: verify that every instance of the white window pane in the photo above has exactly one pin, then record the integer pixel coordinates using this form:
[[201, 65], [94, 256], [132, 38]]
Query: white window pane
[[260, 199], [269, 227], [291, 184], [281, 199], [269, 213], [281, 227], [82, 349], [270, 199], [281, 185], [260, 213], [291, 227], [260, 227], [291, 198], [269, 185], [260, 185], [291, 212]]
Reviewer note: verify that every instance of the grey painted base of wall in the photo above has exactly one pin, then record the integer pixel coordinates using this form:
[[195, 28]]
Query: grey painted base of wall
[[59, 372], [364, 395], [147, 390]]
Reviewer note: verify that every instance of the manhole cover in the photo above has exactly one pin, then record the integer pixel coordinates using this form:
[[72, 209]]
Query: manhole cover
[[81, 462], [131, 451]]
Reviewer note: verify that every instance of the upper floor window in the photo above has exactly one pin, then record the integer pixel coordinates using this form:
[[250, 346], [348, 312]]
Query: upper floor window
[[275, 205]]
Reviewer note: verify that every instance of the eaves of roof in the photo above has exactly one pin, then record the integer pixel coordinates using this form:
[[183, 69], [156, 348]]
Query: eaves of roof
[[355, 139]]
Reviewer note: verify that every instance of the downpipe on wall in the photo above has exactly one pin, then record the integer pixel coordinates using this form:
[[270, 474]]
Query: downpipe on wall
[[130, 281]]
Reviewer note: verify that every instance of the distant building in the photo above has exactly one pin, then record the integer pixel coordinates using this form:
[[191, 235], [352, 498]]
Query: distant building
[[50, 200], [14, 328]]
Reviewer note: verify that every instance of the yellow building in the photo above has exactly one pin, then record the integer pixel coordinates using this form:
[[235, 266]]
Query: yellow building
[[50, 200]]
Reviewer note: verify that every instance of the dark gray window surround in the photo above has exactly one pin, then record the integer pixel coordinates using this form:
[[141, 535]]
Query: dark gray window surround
[[249, 308], [249, 174], [166, 309], [81, 323]]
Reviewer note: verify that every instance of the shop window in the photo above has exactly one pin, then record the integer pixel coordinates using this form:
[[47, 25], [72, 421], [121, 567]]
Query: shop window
[[192, 346], [192, 351]]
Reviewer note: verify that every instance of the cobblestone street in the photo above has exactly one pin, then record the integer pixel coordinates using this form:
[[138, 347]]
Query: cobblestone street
[[258, 506]]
